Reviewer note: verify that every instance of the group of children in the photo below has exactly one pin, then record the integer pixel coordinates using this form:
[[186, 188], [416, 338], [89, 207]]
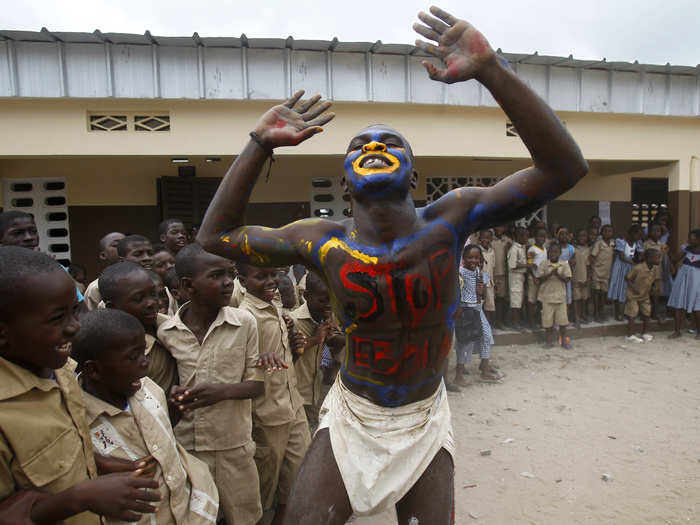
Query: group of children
[[511, 277], [182, 389]]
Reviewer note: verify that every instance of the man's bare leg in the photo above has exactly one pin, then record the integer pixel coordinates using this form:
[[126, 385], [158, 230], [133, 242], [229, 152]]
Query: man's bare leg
[[318, 495], [431, 500]]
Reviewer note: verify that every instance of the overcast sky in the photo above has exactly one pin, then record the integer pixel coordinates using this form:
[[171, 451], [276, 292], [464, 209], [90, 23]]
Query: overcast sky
[[651, 31]]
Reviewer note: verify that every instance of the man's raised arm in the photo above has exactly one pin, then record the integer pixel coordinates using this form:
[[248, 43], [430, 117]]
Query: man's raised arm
[[558, 163], [223, 231]]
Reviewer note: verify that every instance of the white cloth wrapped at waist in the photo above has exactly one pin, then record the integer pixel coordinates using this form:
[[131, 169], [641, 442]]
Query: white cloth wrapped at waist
[[382, 451]]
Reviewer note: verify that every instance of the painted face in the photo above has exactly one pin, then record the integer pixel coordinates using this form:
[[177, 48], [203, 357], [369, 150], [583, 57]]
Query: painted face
[[21, 232], [378, 162]]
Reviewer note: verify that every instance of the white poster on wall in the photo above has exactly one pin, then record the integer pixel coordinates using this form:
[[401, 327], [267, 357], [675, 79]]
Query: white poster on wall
[[604, 212]]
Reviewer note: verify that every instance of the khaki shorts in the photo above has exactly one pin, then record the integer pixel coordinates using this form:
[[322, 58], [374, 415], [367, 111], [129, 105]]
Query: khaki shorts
[[516, 283], [554, 313], [489, 299], [236, 479], [499, 286], [280, 451], [599, 285], [532, 287], [582, 291], [634, 307]]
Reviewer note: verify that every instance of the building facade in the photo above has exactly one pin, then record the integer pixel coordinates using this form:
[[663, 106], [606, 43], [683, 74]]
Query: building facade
[[114, 131]]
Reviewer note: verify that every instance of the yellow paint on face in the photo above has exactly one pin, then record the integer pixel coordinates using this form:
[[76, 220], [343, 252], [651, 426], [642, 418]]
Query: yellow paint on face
[[334, 242], [394, 163]]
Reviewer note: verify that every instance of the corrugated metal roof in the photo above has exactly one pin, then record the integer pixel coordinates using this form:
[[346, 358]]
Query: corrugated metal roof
[[326, 45]]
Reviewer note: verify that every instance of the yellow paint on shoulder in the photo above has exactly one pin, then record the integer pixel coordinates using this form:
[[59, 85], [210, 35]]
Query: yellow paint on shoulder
[[334, 242], [226, 239], [350, 329]]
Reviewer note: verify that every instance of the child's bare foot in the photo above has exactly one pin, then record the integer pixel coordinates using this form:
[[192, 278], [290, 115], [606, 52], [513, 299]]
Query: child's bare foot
[[489, 377]]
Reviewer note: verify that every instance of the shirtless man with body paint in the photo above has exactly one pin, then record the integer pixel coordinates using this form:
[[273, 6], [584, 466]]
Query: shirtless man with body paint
[[392, 268]]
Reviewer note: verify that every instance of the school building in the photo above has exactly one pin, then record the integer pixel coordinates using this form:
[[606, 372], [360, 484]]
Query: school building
[[105, 131]]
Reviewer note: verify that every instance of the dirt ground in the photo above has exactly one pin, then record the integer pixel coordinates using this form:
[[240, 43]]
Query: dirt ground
[[562, 420]]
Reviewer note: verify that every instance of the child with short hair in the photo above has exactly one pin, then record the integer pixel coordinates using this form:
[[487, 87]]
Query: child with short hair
[[657, 289], [554, 274], [79, 275], [280, 428], [685, 293], [128, 417], [601, 264], [313, 319], [178, 293], [161, 294], [536, 253], [173, 235], [626, 252], [163, 261], [639, 282], [17, 228], [581, 277], [517, 267], [488, 254], [216, 348], [501, 243], [288, 294], [45, 446], [107, 255], [128, 287], [567, 254], [471, 292]]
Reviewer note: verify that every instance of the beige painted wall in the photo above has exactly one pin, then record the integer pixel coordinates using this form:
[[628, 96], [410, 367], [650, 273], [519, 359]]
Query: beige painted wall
[[115, 181], [58, 127]]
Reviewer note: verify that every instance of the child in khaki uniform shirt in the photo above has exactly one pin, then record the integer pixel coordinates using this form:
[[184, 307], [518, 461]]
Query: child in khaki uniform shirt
[[313, 319], [639, 282], [488, 255], [45, 446], [657, 289], [128, 287], [216, 348], [536, 253], [581, 284], [517, 267], [501, 243], [602, 255], [280, 429], [553, 275], [128, 418]]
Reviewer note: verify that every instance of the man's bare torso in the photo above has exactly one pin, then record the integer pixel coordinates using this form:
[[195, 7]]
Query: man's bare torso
[[396, 304]]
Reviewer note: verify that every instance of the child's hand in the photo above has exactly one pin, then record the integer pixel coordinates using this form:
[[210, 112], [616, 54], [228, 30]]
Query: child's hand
[[480, 289], [297, 342], [144, 467], [122, 496], [16, 509], [201, 395], [271, 362], [322, 331]]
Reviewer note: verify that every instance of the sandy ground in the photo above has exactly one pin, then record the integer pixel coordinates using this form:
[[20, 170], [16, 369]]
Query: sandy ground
[[562, 419]]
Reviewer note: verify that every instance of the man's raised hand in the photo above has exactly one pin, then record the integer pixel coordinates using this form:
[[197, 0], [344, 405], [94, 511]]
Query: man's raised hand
[[294, 121], [460, 46]]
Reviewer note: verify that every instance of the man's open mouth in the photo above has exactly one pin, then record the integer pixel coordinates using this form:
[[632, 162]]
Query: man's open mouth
[[375, 162]]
